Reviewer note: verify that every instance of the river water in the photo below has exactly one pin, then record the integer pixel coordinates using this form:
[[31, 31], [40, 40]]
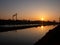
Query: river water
[[24, 36]]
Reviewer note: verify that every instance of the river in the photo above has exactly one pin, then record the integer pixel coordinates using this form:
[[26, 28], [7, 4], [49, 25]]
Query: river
[[24, 36]]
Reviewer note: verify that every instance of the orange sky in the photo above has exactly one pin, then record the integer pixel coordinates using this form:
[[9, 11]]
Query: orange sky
[[30, 9]]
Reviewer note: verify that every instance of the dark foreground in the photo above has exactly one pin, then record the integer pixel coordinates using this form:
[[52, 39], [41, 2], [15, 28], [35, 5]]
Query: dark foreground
[[51, 38]]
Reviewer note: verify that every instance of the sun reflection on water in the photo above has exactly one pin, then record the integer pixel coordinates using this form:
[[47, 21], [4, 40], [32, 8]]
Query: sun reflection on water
[[42, 27]]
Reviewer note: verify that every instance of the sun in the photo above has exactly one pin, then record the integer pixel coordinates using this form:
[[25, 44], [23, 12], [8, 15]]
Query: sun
[[42, 18]]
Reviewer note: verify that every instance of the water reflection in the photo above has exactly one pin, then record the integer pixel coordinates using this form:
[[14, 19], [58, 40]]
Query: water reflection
[[24, 36], [42, 26]]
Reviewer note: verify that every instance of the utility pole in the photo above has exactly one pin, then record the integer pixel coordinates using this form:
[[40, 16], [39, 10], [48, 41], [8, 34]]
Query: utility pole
[[16, 16], [59, 19]]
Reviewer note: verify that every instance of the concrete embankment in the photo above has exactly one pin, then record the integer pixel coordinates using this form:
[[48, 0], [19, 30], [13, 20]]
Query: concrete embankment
[[51, 38]]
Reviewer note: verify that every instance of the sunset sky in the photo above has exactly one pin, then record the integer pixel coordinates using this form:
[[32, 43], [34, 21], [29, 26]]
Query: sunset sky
[[30, 9]]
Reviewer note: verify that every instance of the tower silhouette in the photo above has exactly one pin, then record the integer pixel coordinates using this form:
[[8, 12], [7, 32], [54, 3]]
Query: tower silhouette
[[14, 16]]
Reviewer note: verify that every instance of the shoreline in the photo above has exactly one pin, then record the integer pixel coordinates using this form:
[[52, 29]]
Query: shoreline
[[51, 38]]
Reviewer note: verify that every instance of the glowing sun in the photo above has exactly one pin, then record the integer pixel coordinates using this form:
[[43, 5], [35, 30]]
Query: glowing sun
[[42, 18]]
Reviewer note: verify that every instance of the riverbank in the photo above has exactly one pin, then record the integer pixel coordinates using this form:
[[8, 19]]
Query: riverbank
[[4, 28], [51, 38], [23, 22]]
